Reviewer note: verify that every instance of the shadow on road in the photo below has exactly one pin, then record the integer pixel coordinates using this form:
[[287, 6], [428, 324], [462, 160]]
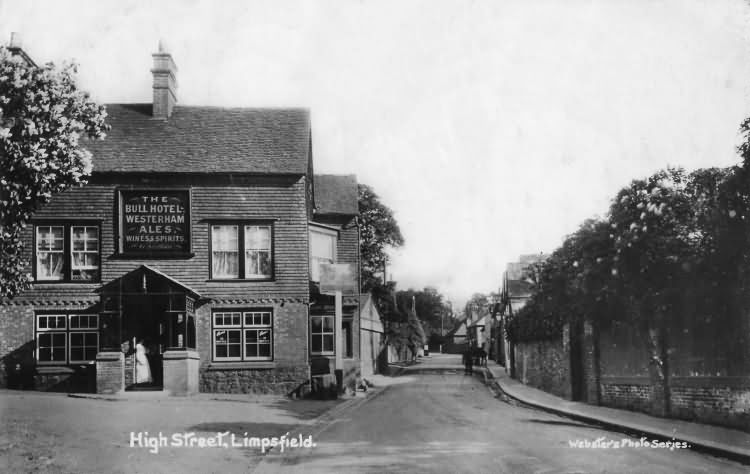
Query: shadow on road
[[245, 428], [306, 409]]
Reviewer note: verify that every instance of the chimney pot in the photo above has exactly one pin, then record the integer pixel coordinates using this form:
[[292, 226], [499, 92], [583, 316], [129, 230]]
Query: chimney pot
[[15, 40]]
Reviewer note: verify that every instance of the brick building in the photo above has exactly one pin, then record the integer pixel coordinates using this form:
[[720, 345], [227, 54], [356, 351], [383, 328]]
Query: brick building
[[200, 232]]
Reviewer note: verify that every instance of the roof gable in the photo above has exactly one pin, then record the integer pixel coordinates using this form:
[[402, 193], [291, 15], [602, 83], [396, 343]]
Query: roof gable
[[336, 195], [204, 140]]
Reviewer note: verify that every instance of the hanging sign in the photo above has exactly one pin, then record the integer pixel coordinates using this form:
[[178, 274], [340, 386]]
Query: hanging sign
[[155, 221], [337, 277]]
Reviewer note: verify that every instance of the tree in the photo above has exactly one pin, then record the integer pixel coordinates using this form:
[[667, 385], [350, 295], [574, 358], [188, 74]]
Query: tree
[[479, 303], [378, 232], [43, 115], [430, 308]]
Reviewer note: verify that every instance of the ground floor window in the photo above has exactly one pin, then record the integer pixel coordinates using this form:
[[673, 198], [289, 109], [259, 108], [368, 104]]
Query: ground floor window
[[322, 334], [66, 338], [242, 335]]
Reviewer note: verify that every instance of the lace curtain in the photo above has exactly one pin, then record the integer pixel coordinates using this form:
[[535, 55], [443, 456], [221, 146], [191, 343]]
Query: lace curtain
[[225, 251]]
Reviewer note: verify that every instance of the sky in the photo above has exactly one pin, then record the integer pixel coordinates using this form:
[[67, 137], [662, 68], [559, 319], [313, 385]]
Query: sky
[[491, 128]]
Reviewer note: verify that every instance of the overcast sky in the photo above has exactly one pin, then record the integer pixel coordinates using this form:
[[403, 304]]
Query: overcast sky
[[491, 128]]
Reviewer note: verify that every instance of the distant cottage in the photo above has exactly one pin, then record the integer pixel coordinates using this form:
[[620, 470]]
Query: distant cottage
[[200, 235]]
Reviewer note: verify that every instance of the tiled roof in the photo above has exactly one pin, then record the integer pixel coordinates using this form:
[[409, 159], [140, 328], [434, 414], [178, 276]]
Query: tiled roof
[[204, 139], [336, 194]]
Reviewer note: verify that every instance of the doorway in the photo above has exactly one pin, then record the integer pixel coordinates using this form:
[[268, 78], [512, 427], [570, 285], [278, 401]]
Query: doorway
[[143, 320]]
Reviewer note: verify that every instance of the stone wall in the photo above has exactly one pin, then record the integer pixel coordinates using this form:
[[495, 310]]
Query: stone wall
[[273, 380], [544, 365]]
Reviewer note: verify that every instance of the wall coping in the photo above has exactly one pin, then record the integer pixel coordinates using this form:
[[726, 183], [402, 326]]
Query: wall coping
[[110, 355], [53, 369], [180, 354], [711, 381], [242, 365], [625, 380]]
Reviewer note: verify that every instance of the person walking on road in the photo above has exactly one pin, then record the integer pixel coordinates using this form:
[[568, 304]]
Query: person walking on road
[[468, 362]]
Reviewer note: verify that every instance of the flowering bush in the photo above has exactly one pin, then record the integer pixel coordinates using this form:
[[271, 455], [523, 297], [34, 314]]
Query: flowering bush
[[43, 115], [672, 240]]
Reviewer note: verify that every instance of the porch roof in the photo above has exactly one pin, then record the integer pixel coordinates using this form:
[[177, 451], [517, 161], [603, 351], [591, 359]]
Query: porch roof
[[114, 285]]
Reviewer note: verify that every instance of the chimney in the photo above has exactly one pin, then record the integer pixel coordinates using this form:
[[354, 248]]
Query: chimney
[[165, 83], [15, 48]]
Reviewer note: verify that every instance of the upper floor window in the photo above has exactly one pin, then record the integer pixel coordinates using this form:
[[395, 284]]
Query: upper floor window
[[67, 252], [322, 250], [241, 252]]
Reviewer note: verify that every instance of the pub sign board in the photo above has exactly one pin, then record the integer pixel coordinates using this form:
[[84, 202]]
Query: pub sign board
[[155, 222], [337, 277]]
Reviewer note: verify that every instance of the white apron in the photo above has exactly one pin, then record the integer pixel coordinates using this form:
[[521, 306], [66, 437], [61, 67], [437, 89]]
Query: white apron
[[142, 369]]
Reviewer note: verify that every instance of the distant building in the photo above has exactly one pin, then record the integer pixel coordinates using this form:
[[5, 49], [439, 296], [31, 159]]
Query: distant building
[[515, 292], [371, 339]]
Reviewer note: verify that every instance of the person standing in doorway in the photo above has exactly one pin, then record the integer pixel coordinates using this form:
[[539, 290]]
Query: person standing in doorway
[[142, 367]]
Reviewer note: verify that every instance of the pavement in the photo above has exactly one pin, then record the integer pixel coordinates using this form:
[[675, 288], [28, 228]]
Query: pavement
[[726, 442], [434, 419]]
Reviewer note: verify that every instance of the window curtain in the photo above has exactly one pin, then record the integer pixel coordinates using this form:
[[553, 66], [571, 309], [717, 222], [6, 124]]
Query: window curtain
[[257, 251], [49, 248], [225, 251]]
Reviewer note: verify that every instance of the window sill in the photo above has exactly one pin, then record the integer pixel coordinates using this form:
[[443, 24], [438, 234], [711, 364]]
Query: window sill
[[67, 282], [240, 280], [155, 256], [261, 364], [58, 369]]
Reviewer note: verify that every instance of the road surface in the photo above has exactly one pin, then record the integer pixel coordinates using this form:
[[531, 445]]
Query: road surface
[[452, 423]]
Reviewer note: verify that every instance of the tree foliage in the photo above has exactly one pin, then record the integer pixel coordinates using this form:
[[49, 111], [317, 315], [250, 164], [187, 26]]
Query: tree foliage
[[431, 309], [672, 244], [378, 232], [43, 116]]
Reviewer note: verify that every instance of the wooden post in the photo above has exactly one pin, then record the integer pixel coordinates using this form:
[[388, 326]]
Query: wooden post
[[339, 330]]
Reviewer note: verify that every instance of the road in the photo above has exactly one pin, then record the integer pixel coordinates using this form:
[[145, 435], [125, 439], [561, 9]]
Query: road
[[452, 423]]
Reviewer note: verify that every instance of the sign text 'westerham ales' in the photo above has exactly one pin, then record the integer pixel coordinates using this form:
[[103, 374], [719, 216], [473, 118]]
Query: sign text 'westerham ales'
[[155, 221]]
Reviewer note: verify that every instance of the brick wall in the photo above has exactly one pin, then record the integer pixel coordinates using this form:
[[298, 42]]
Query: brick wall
[[18, 367], [718, 400], [17, 362], [617, 374], [544, 365], [630, 393]]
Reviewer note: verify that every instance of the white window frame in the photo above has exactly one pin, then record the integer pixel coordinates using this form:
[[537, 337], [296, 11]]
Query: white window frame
[[242, 326], [323, 333], [247, 251], [49, 250], [315, 260], [85, 251], [236, 228], [67, 252], [243, 228], [67, 330], [257, 327]]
